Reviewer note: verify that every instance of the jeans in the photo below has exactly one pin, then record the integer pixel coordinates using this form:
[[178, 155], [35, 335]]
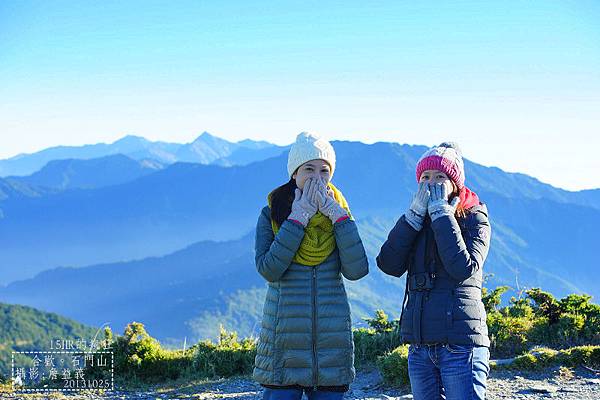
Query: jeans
[[296, 394], [448, 371]]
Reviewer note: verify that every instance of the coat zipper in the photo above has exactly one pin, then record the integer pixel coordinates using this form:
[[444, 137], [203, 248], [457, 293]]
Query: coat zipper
[[314, 327]]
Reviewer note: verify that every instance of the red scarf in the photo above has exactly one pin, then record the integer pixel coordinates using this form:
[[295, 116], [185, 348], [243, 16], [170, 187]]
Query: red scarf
[[468, 198]]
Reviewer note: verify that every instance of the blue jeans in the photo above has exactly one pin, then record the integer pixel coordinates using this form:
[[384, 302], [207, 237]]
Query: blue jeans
[[296, 394], [448, 371]]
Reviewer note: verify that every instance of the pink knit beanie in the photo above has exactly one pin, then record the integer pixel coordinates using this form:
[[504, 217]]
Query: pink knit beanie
[[447, 158]]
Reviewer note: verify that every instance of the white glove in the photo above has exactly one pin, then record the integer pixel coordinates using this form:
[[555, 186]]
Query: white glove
[[438, 205], [303, 206], [327, 203], [418, 208]]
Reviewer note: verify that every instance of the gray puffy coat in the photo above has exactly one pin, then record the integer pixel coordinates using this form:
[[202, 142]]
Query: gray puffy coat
[[451, 312], [306, 336]]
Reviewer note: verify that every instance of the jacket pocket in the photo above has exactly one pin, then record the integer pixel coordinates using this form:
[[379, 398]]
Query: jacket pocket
[[482, 314], [449, 313], [406, 321], [466, 309]]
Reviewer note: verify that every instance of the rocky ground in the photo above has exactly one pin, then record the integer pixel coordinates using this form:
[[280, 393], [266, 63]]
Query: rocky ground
[[558, 383]]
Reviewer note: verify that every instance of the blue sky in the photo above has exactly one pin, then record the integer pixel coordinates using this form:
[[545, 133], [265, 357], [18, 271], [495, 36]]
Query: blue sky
[[516, 83]]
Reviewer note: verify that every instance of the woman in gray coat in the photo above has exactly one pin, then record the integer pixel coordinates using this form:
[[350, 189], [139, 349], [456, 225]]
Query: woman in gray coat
[[306, 240]]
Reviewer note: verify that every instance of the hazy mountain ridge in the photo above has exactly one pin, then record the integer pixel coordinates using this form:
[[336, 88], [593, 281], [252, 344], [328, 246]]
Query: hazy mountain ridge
[[540, 238], [205, 149], [89, 174]]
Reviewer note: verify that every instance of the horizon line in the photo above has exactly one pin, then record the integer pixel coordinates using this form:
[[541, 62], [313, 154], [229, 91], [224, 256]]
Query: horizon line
[[204, 133]]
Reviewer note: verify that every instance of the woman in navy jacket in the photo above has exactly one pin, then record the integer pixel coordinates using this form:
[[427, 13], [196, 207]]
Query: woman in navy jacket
[[442, 242]]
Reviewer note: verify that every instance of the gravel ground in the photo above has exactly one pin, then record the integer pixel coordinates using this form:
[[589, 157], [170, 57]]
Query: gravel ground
[[555, 383]]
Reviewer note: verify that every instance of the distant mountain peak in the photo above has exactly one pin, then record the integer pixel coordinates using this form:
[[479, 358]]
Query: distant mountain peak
[[254, 144], [131, 139], [208, 138]]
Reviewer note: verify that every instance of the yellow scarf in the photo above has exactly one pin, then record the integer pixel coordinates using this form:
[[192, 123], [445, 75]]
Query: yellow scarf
[[319, 240]]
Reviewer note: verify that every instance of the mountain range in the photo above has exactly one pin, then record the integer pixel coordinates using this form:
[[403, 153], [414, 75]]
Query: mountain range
[[205, 149], [151, 239]]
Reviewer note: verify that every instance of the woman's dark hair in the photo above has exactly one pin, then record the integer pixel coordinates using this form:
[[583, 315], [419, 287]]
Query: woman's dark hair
[[281, 201], [461, 212]]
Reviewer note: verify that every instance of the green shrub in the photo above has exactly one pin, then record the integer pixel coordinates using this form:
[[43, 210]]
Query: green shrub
[[394, 366], [591, 327], [519, 308], [543, 357], [508, 334], [534, 320], [382, 337], [525, 361], [380, 323], [545, 305], [228, 357], [140, 358], [537, 358], [538, 319], [492, 300], [580, 355]]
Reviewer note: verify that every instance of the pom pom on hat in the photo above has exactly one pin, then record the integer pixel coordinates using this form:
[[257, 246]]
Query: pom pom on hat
[[452, 145]]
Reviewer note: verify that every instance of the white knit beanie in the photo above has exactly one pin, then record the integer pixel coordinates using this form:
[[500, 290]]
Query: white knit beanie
[[310, 146]]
